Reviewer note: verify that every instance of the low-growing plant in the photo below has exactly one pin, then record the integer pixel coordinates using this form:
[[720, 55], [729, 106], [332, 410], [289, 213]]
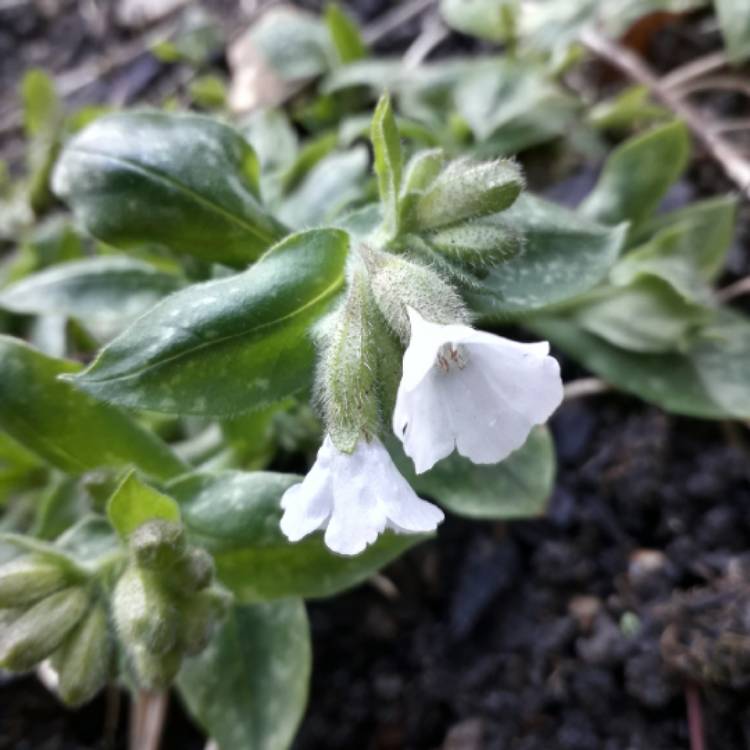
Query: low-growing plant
[[227, 303]]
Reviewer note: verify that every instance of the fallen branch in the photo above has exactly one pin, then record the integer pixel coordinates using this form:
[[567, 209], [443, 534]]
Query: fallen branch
[[725, 153]]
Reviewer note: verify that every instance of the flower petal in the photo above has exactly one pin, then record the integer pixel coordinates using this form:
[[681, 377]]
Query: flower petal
[[497, 399], [424, 344], [528, 380], [422, 423], [308, 505], [405, 511], [357, 517], [486, 408]]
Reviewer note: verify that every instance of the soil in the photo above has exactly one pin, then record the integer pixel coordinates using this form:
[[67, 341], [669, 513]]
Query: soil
[[587, 629]]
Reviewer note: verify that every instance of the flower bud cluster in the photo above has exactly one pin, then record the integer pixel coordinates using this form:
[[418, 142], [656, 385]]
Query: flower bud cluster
[[398, 283], [165, 604], [50, 609]]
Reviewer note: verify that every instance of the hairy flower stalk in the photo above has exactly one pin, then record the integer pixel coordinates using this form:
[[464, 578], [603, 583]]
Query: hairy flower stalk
[[354, 490], [471, 391]]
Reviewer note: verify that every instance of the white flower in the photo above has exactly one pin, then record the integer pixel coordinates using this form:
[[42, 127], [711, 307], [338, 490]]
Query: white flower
[[473, 391], [354, 496]]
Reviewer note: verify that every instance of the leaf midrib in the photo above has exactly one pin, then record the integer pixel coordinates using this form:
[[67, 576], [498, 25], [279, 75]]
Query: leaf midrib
[[84, 378], [179, 186]]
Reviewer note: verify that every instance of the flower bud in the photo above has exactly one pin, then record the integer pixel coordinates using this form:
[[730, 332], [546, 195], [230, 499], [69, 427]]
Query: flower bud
[[7, 617], [40, 630], [466, 190], [398, 283], [201, 616], [158, 544], [30, 578], [349, 368], [84, 660], [193, 572], [144, 614], [478, 244], [155, 671], [422, 169]]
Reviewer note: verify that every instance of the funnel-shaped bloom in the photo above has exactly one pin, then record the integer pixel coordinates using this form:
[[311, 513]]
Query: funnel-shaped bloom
[[354, 497], [472, 391]]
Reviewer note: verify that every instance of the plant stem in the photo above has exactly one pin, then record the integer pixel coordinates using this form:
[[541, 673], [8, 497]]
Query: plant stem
[[695, 717], [147, 715], [111, 716]]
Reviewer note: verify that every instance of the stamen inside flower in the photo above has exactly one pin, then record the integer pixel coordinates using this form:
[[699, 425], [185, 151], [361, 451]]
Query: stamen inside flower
[[451, 356]]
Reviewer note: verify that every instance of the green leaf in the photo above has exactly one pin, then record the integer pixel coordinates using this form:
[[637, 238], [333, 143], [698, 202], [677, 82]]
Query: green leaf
[[721, 356], [333, 184], [41, 105], [58, 508], [90, 541], [487, 19], [422, 169], [565, 255], [466, 251], [467, 190], [687, 247], [378, 74], [274, 139], [347, 41], [293, 43], [208, 91], [42, 121], [231, 345], [513, 104], [669, 380], [235, 516], [309, 155], [186, 182], [20, 469], [630, 108], [101, 292], [734, 20], [645, 316], [66, 427], [134, 503], [518, 487], [638, 174], [386, 144], [248, 689]]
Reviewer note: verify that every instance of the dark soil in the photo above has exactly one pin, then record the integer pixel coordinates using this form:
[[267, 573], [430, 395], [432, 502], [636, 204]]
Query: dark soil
[[584, 630], [545, 635]]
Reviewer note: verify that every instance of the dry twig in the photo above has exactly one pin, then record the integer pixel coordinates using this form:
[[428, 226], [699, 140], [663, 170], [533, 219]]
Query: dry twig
[[433, 33], [731, 159], [694, 69], [390, 21], [585, 387], [733, 291]]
